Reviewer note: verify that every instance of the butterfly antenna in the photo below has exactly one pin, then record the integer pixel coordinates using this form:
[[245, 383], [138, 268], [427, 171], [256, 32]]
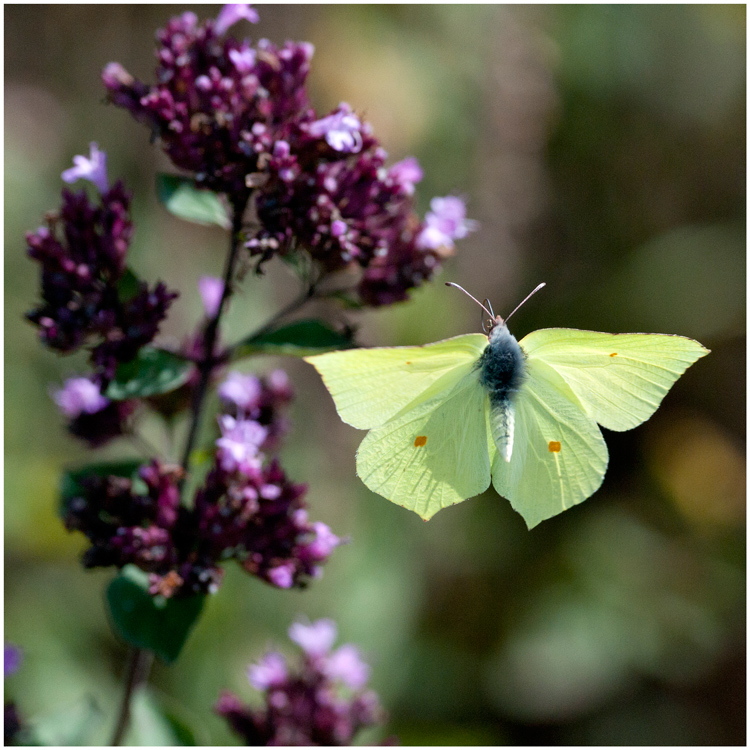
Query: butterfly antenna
[[450, 283], [536, 289]]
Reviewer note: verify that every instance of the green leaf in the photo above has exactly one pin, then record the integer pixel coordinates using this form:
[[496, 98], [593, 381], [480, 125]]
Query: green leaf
[[151, 725], [128, 286], [182, 198], [299, 339], [71, 481], [151, 372], [152, 622]]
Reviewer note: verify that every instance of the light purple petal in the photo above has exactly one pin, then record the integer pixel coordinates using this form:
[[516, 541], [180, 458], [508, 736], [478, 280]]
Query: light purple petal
[[324, 543], [444, 223], [407, 173], [12, 658], [244, 60], [342, 130], [233, 12], [211, 290], [244, 391], [346, 665], [93, 169], [282, 575], [315, 639], [238, 449], [269, 672], [79, 396]]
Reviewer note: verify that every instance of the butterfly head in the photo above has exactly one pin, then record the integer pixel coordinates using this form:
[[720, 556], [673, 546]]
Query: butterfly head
[[494, 325]]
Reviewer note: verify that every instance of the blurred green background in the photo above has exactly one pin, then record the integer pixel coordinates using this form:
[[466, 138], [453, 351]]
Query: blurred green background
[[602, 148]]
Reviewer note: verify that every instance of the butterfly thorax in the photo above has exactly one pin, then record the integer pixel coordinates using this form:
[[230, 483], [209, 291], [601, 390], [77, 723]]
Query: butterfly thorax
[[501, 365]]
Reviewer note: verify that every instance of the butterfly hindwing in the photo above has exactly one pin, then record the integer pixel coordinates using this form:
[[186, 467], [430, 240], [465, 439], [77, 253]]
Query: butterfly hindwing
[[371, 386], [619, 378], [432, 456], [559, 456]]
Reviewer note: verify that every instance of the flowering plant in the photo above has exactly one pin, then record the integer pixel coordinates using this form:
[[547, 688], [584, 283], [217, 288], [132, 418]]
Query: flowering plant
[[257, 160]]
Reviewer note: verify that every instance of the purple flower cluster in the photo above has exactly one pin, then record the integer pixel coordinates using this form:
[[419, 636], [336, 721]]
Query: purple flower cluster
[[323, 702], [247, 509], [82, 253], [239, 118]]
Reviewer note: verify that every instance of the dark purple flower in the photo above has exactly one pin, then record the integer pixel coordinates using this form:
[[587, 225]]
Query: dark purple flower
[[82, 254], [218, 105], [321, 702], [93, 168]]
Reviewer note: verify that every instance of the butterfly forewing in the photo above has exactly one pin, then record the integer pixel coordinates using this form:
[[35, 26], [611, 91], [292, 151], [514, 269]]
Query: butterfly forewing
[[562, 457], [432, 456], [619, 378], [371, 386]]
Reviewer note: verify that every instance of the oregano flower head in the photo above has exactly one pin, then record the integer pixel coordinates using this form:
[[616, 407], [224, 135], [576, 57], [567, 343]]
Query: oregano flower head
[[320, 701]]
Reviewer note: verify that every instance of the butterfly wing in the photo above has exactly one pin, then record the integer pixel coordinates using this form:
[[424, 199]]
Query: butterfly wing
[[619, 378], [559, 456], [372, 386], [433, 455]]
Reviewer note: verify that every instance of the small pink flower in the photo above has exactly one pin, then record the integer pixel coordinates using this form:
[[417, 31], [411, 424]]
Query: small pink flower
[[93, 169], [211, 290], [244, 391], [79, 396], [315, 639], [324, 543], [444, 223], [346, 665], [342, 130], [406, 173], [239, 445], [269, 672], [243, 59], [282, 575], [233, 12]]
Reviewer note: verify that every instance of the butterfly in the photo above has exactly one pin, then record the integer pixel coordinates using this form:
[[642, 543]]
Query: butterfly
[[448, 418]]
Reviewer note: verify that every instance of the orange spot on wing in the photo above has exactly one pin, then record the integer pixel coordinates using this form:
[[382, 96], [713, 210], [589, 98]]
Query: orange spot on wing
[[614, 354], [407, 363], [554, 446], [420, 440]]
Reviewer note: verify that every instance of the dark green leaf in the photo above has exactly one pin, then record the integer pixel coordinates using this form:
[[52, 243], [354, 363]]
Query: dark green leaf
[[70, 484], [299, 339], [152, 622], [128, 286], [182, 198], [153, 371]]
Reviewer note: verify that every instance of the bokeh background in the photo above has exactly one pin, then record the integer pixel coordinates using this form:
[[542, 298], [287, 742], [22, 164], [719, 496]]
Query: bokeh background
[[602, 148]]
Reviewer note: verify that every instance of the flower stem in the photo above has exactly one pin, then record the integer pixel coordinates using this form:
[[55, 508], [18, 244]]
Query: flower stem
[[138, 669], [208, 359]]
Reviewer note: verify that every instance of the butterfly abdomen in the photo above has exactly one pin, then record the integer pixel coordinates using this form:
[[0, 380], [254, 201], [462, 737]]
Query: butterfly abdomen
[[501, 366]]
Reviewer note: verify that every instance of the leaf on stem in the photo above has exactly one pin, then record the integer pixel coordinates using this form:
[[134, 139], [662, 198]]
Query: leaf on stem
[[151, 372], [182, 198], [128, 286], [301, 338], [151, 622]]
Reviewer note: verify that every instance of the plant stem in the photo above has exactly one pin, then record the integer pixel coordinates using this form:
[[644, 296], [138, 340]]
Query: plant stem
[[208, 359], [138, 669]]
